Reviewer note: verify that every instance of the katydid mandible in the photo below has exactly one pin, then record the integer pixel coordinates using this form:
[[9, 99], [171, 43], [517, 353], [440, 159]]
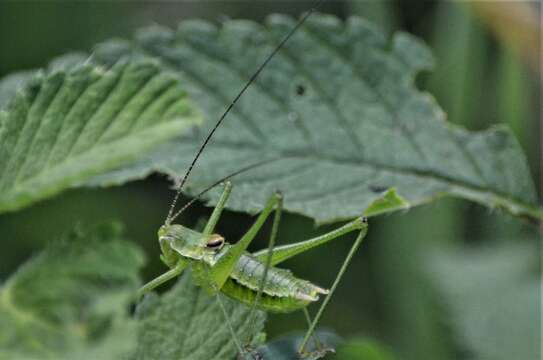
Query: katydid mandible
[[252, 279]]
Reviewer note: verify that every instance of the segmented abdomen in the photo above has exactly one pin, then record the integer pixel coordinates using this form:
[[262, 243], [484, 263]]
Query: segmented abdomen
[[282, 291]]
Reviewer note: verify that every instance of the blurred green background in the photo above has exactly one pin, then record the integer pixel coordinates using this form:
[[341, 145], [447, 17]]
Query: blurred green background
[[409, 286]]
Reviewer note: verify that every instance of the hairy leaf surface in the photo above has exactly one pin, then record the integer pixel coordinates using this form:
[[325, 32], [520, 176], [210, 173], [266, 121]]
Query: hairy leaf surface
[[66, 126], [71, 301], [338, 106], [186, 323]]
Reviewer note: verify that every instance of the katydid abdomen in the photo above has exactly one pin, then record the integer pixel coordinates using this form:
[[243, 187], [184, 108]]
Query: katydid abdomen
[[281, 292]]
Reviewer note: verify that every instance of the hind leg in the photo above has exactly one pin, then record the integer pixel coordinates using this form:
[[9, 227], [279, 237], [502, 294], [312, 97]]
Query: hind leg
[[342, 270]]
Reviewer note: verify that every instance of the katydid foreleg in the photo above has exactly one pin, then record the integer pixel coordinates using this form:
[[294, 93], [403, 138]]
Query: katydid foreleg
[[168, 275], [181, 264]]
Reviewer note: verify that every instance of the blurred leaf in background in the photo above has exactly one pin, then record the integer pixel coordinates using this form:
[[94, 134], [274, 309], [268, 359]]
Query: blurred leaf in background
[[364, 349], [71, 301], [492, 297]]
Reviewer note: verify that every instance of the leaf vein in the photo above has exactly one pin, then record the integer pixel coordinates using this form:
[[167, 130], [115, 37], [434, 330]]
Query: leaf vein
[[126, 104], [339, 55], [57, 133], [20, 166], [219, 97], [111, 90]]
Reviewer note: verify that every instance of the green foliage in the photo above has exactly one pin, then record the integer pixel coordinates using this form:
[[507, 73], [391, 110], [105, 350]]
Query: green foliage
[[363, 349], [390, 201], [493, 296], [187, 323], [70, 302], [66, 126], [11, 84], [351, 133], [347, 119]]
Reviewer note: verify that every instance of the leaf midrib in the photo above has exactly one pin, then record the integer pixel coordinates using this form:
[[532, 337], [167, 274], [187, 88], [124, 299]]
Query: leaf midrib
[[384, 168]]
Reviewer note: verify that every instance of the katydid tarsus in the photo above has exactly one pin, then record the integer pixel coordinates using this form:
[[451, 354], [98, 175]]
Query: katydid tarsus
[[224, 268]]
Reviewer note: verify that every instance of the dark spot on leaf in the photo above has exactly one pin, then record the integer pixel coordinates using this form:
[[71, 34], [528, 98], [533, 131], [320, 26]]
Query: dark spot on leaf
[[300, 90], [378, 188]]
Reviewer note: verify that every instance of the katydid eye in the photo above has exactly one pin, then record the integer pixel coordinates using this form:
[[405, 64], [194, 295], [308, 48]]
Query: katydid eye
[[215, 242]]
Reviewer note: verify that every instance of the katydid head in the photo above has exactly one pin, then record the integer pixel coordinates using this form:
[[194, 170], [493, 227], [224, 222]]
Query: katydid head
[[177, 240]]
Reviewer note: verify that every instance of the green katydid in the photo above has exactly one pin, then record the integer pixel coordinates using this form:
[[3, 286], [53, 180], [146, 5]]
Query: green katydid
[[253, 279]]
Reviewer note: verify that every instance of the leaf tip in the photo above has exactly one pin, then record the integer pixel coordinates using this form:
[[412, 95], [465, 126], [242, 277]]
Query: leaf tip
[[387, 202]]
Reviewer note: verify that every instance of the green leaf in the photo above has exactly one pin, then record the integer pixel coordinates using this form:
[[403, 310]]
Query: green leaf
[[186, 323], [66, 126], [389, 202], [15, 82], [363, 349], [9, 85], [71, 301], [338, 106], [493, 299]]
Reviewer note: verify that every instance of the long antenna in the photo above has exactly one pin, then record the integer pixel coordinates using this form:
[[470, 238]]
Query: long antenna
[[218, 182], [253, 77]]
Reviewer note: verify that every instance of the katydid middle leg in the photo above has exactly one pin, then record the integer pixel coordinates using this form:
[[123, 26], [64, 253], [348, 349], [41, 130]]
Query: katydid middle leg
[[271, 245], [229, 324], [267, 264], [225, 265]]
